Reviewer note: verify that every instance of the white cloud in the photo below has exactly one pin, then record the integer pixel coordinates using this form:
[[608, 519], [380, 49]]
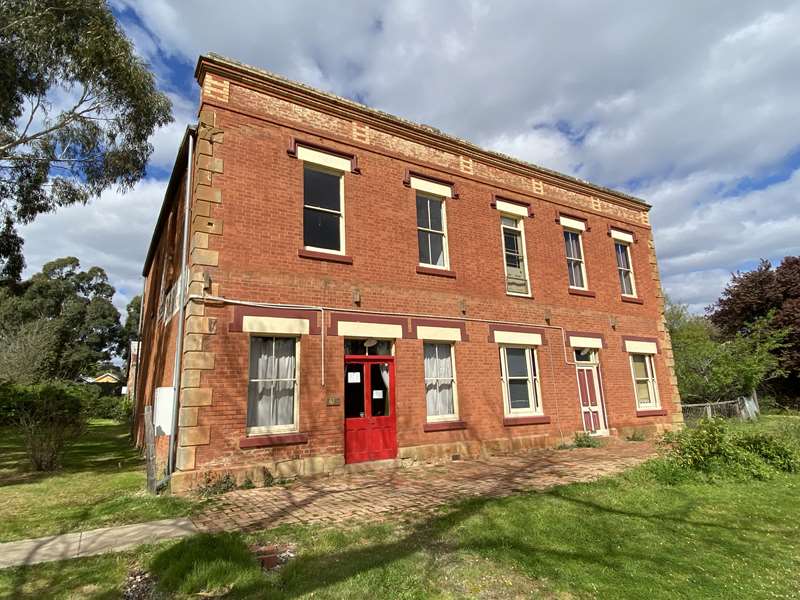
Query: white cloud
[[679, 102], [112, 232]]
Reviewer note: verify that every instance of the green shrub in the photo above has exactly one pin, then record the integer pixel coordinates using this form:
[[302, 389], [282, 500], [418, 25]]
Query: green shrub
[[50, 416], [714, 450], [118, 408], [584, 440], [667, 471], [9, 404], [774, 451]]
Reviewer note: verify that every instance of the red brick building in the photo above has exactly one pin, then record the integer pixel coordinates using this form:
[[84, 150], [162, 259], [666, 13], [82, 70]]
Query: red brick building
[[360, 288]]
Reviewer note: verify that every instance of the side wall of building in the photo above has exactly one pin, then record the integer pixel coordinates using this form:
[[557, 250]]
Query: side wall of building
[[155, 361]]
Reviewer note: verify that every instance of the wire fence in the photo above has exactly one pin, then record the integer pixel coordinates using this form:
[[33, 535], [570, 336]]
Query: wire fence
[[743, 408]]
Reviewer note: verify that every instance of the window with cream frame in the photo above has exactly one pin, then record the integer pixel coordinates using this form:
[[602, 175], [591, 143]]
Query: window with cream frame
[[441, 393], [622, 254], [645, 387], [573, 248], [432, 231], [515, 261], [273, 389], [520, 381], [431, 199], [323, 200]]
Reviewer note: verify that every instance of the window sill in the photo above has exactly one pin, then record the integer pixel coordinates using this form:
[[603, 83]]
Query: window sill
[[654, 412], [584, 293], [436, 272], [515, 295], [337, 258], [532, 420], [632, 300], [444, 426], [277, 439]]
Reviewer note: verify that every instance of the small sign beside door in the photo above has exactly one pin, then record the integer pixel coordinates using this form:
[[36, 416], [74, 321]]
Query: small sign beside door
[[377, 394], [353, 377]]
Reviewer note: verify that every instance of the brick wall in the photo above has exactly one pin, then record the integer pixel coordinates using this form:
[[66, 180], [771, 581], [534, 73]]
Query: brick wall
[[246, 179]]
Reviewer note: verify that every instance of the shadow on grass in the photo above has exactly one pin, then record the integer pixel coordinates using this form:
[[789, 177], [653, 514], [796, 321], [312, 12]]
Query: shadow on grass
[[610, 547], [104, 448]]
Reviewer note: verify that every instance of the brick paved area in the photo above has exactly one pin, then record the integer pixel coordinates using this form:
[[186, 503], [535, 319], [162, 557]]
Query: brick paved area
[[377, 495]]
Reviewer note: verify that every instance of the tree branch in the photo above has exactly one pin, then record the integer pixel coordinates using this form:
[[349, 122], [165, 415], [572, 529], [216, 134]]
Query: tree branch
[[64, 119]]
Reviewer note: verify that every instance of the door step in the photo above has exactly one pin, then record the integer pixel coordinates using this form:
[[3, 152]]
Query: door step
[[367, 466]]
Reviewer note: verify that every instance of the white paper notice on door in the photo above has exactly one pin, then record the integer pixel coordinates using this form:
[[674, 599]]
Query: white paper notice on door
[[377, 394], [353, 377]]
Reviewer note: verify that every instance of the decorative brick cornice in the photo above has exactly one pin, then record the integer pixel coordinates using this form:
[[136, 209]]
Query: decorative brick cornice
[[466, 157]]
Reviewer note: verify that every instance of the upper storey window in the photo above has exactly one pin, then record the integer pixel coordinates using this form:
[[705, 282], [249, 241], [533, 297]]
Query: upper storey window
[[431, 231], [573, 245], [323, 214], [514, 250], [622, 252], [323, 200], [432, 222]]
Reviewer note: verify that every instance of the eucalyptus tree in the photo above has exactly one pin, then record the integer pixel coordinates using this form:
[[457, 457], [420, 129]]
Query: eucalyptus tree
[[77, 107]]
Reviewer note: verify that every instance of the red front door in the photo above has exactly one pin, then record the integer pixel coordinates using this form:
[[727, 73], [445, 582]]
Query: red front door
[[370, 426]]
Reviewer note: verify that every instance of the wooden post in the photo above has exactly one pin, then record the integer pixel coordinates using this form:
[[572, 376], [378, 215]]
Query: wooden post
[[150, 449]]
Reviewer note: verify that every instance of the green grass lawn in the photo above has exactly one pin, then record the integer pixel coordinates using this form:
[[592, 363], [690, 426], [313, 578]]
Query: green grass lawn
[[101, 484], [622, 537]]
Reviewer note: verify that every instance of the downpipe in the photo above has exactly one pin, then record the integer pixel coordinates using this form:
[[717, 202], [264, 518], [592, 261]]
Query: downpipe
[[182, 281]]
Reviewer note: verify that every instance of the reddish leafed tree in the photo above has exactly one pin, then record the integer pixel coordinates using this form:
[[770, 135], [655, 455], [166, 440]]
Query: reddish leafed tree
[[755, 294]]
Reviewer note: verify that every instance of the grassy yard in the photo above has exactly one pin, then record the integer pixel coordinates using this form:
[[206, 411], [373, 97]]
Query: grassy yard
[[101, 484], [622, 537]]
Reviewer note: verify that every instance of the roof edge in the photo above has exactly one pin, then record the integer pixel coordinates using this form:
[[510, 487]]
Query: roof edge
[[422, 133]]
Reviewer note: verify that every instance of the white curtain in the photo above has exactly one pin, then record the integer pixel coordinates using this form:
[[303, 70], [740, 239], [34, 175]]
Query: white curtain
[[385, 375], [439, 379], [272, 375]]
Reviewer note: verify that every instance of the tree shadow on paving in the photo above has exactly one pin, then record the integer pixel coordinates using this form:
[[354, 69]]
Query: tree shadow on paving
[[607, 553]]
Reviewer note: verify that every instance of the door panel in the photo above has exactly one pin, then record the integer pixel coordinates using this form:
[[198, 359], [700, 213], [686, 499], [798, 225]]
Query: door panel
[[370, 423], [590, 402], [354, 385]]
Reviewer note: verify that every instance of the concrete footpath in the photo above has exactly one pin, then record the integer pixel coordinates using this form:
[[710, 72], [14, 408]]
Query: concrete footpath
[[89, 543]]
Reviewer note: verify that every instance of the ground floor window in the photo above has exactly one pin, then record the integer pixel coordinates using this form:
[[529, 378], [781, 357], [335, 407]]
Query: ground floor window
[[440, 382], [644, 381], [272, 394], [520, 380]]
